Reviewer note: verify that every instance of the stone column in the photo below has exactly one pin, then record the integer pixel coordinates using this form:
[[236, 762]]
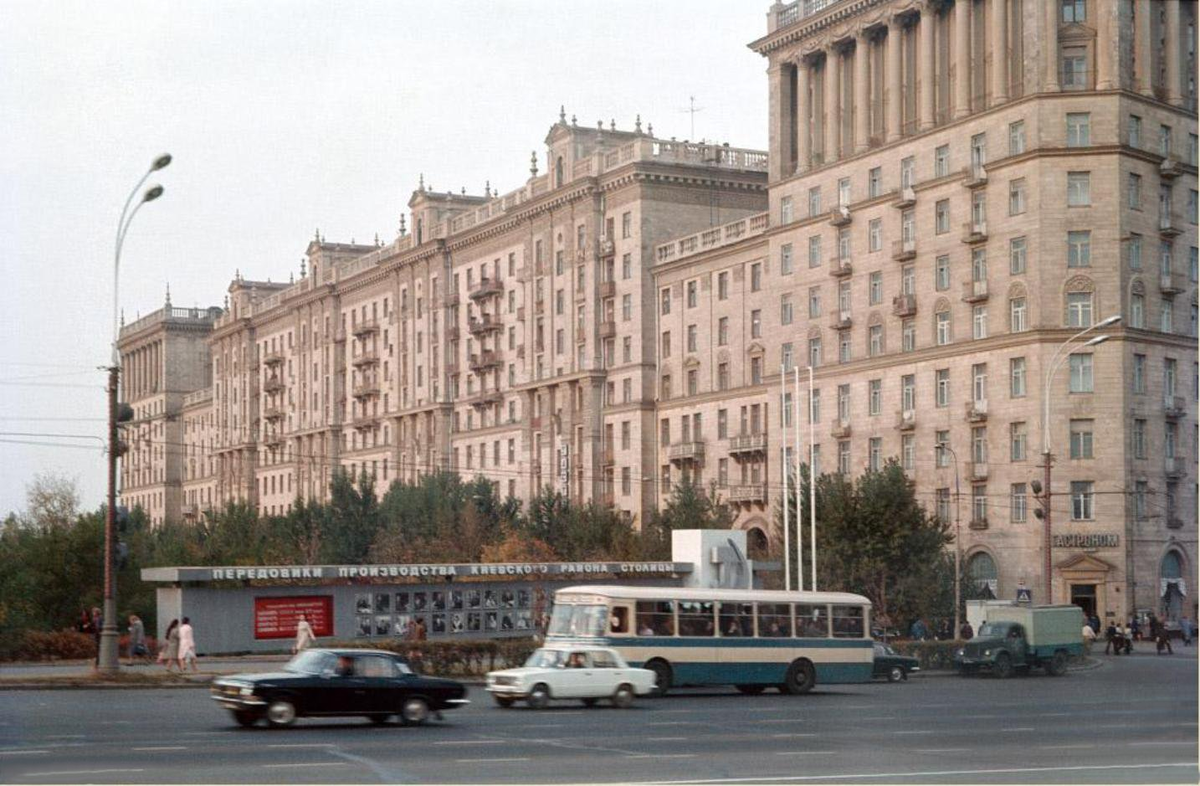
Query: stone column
[[962, 58], [1171, 53], [1104, 45], [803, 116], [831, 105], [862, 100], [1143, 49], [925, 67], [893, 99], [1050, 13], [1000, 55], [781, 120]]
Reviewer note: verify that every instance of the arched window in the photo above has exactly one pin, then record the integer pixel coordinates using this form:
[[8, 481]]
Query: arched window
[[981, 569], [558, 171], [757, 545], [1172, 588]]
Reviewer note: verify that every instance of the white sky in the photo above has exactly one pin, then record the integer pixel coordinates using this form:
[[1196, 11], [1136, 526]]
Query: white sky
[[284, 117]]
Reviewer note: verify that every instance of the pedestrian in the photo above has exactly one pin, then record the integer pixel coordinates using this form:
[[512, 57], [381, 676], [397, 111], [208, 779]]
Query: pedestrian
[[1135, 627], [1094, 621], [1110, 639], [304, 635], [137, 641], [1127, 637], [1185, 630], [966, 632], [97, 627], [1089, 636], [187, 645], [918, 630], [168, 654], [84, 625], [420, 632]]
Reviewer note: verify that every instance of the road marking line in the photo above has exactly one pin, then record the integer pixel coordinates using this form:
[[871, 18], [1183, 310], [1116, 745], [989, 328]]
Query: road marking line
[[680, 723], [78, 772], [801, 734], [20, 753], [300, 745], [162, 748], [1165, 742], [940, 750], [470, 742], [662, 756], [1084, 746], [664, 739], [913, 731], [66, 737], [481, 761], [306, 764], [1018, 728], [805, 753]]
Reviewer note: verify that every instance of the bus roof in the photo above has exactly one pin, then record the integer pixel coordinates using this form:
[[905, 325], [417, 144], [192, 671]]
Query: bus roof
[[700, 593]]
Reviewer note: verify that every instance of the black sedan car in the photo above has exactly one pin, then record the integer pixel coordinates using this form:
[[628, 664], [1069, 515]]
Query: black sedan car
[[893, 665], [325, 683]]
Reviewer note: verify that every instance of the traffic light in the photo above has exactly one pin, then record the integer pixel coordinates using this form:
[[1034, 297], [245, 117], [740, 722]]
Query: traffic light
[[1036, 486], [121, 555], [121, 518], [124, 415]]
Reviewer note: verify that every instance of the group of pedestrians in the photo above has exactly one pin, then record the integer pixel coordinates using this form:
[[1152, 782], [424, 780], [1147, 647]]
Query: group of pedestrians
[[180, 649]]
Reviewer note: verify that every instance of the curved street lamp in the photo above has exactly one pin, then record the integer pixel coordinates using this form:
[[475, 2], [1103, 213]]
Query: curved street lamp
[[957, 542], [107, 657]]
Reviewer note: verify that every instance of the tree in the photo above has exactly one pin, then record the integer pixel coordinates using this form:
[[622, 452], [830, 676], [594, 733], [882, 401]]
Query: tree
[[689, 507]]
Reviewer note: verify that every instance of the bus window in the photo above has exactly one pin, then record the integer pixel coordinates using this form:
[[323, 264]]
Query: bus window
[[656, 618], [847, 622], [812, 622], [737, 619], [618, 621], [774, 620], [696, 618]]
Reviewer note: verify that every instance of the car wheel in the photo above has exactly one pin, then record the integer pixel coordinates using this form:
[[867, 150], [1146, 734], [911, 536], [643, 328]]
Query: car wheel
[[415, 711], [751, 690], [1058, 664], [281, 713], [539, 697], [800, 678], [623, 697], [662, 677], [378, 719], [503, 701], [245, 718], [588, 702], [895, 674], [1004, 667]]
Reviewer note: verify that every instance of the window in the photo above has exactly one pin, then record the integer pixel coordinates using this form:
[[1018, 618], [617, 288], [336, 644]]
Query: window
[[666, 344], [844, 456], [787, 357], [942, 216], [875, 235], [1018, 436], [1017, 377], [756, 323], [722, 424], [1164, 141], [942, 504], [1135, 131], [979, 378], [875, 340], [874, 182], [1081, 374], [814, 251], [626, 307], [1079, 129], [1016, 138], [843, 192], [908, 393], [1139, 373], [785, 309], [1140, 489], [1079, 189], [1135, 251], [723, 331], [814, 302], [627, 267], [814, 202], [1019, 503], [875, 288], [1079, 309], [1082, 500], [874, 454], [1079, 248], [785, 259], [1081, 439], [693, 382], [908, 452], [785, 210], [1137, 310], [1074, 68], [756, 277], [1016, 256], [843, 240], [691, 338], [979, 451], [1133, 191], [874, 396], [979, 503], [1016, 196], [755, 371], [843, 403], [1139, 438], [814, 352], [665, 299], [1017, 315], [844, 346], [722, 376], [908, 335], [942, 387], [626, 225], [723, 286], [942, 328], [941, 456], [627, 353], [979, 326], [1167, 315], [907, 172], [941, 161], [941, 273]]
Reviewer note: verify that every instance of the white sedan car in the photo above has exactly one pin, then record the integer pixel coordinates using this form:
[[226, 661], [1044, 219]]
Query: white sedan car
[[571, 672]]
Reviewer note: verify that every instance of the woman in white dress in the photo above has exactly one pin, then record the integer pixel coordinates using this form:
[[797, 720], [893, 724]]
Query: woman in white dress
[[304, 635], [187, 645]]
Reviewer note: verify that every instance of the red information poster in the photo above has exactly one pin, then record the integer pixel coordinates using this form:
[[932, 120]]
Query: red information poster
[[275, 618]]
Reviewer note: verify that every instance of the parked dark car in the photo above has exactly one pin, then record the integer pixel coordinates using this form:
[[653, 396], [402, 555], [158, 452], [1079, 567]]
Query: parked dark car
[[325, 683], [893, 665]]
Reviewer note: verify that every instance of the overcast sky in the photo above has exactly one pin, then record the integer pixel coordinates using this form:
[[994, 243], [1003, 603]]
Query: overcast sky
[[284, 117]]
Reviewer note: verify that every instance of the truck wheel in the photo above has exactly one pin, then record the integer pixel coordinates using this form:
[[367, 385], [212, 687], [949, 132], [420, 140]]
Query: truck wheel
[[896, 674], [800, 677], [662, 677], [1058, 664], [1004, 666]]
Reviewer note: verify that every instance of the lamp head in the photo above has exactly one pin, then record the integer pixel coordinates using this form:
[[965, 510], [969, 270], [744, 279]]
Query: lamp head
[[1114, 319], [1097, 341], [152, 193], [160, 162]]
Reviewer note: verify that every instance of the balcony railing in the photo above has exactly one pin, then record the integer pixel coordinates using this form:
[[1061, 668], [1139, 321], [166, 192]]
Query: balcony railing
[[840, 430], [974, 232], [978, 523], [1174, 406], [1171, 282], [364, 422], [608, 289], [1173, 466], [273, 359], [904, 305], [272, 384], [367, 357], [1168, 225], [977, 411], [485, 360], [906, 198], [366, 327], [272, 414], [608, 329], [486, 399], [366, 389], [906, 420], [687, 451], [487, 287], [975, 176], [748, 443], [748, 493], [904, 249], [840, 320], [840, 216], [607, 248], [452, 333], [975, 291], [977, 470], [1169, 169], [711, 238], [485, 324], [840, 267]]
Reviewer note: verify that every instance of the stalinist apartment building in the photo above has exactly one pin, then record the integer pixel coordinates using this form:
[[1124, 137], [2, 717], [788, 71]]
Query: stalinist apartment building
[[953, 190]]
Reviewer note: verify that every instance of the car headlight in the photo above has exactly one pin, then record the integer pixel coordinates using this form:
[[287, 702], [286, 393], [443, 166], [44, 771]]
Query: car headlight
[[960, 653], [247, 691], [987, 653]]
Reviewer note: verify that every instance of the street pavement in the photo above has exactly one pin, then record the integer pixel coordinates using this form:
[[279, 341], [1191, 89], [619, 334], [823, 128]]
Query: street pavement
[[1131, 720]]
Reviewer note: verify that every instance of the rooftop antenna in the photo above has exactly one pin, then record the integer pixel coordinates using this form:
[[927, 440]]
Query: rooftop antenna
[[692, 110]]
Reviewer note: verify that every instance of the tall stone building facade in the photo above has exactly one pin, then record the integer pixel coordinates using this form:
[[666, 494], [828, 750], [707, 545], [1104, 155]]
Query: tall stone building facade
[[954, 189]]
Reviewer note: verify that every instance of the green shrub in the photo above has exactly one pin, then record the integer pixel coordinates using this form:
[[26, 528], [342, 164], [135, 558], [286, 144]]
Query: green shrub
[[469, 658], [55, 645]]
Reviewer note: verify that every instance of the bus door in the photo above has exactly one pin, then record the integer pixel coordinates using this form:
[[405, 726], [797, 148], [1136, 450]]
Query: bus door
[[696, 659]]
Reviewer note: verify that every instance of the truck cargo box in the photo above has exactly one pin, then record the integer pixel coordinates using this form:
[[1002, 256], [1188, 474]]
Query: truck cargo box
[[1045, 626]]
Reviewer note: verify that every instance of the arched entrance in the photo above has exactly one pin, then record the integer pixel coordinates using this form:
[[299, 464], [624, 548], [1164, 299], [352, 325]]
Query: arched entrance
[[981, 570], [1171, 585], [758, 546]]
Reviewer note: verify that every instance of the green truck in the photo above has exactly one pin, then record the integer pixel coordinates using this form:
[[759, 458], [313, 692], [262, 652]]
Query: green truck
[[1022, 637]]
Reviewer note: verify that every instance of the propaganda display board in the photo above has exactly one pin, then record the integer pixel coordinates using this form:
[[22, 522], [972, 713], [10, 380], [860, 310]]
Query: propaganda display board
[[467, 611], [276, 617]]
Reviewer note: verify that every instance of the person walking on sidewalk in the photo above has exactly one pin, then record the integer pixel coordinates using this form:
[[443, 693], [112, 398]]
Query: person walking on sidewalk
[[137, 641], [304, 635], [1185, 630], [169, 653], [1158, 632], [187, 645]]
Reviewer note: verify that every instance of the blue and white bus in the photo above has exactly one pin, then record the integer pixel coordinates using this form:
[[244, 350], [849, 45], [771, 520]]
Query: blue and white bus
[[752, 639]]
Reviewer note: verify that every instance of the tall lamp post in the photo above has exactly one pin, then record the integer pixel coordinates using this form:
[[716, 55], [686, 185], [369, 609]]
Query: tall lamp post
[[957, 542], [107, 658], [1056, 362]]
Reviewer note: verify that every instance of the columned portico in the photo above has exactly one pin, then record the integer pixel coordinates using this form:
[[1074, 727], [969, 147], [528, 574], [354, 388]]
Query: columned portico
[[962, 58]]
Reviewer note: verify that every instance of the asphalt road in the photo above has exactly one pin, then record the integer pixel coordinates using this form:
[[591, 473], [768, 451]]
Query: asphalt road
[[1131, 720]]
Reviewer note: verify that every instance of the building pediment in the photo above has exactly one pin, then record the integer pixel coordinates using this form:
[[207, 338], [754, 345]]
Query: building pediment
[[756, 349], [1085, 563]]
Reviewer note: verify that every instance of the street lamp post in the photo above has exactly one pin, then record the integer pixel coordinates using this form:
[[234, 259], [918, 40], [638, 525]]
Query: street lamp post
[[1056, 361], [107, 659], [957, 542]]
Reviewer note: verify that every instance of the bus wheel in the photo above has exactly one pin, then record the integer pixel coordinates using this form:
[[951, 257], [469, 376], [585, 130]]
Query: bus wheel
[[800, 678], [751, 690], [662, 676]]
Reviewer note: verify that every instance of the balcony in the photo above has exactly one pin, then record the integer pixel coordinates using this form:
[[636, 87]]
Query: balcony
[[484, 325], [975, 176], [906, 199], [609, 455], [365, 328], [272, 414], [539, 306], [1174, 407], [520, 313], [1171, 282], [1169, 169], [840, 430], [975, 291], [449, 299], [1168, 225], [366, 390], [452, 333], [608, 289], [1174, 522], [977, 411], [608, 329], [607, 248], [367, 357], [272, 359], [484, 361], [840, 320], [904, 305], [977, 470], [273, 440], [487, 287], [452, 366], [748, 493], [365, 422], [272, 384], [840, 216], [974, 232], [906, 420], [535, 422], [487, 399], [1173, 467], [978, 523], [840, 267], [744, 444], [189, 511], [904, 249], [521, 351], [687, 451]]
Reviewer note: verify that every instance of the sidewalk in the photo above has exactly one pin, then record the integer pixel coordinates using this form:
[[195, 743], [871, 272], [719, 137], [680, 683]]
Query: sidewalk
[[80, 673]]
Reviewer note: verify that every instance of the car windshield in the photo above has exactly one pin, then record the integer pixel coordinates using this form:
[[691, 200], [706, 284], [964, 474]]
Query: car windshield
[[310, 662], [578, 620], [987, 631], [544, 659]]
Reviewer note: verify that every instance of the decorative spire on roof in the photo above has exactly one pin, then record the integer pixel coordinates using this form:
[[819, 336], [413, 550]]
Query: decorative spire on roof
[[599, 125], [612, 124], [168, 301], [122, 317], [562, 114], [573, 122], [637, 125], [533, 164], [317, 235], [650, 129], [403, 228], [291, 278], [303, 268], [421, 182], [487, 188]]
